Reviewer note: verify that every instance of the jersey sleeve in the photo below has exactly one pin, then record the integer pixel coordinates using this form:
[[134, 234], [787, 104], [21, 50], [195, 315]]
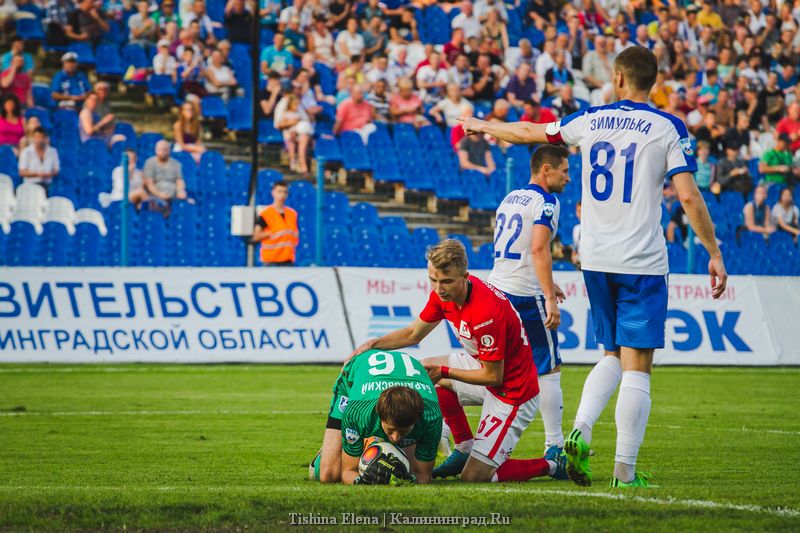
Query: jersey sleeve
[[680, 154], [428, 443], [355, 425], [433, 310], [545, 213], [570, 128], [491, 339]]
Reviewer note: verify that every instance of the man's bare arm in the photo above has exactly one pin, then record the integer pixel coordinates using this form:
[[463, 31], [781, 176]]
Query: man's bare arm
[[513, 132]]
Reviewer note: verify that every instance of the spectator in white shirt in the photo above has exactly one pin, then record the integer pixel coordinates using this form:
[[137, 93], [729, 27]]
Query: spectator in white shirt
[[451, 108], [136, 192], [164, 62], [38, 162], [467, 21], [400, 68], [432, 79], [482, 8], [204, 22], [220, 79], [349, 43], [786, 215], [461, 75]]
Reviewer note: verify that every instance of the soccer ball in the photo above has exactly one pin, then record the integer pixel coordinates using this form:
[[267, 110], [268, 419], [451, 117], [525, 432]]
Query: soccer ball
[[374, 449]]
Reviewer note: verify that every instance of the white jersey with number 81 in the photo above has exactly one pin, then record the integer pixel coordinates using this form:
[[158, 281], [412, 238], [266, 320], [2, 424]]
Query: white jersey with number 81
[[627, 150]]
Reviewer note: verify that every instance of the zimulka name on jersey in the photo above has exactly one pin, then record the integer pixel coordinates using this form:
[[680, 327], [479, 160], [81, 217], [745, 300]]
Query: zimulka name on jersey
[[626, 123], [518, 199], [383, 385]]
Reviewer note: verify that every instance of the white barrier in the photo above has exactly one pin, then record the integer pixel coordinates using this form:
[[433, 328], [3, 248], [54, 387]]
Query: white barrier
[[171, 315], [315, 314]]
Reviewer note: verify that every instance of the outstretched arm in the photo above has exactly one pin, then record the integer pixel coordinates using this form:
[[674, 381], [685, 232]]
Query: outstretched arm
[[513, 132], [399, 338]]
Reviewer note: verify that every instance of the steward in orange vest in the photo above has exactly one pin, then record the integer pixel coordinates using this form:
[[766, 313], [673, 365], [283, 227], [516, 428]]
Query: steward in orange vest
[[276, 228]]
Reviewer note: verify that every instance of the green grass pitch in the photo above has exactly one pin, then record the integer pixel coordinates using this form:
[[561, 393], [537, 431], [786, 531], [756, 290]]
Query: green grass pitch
[[148, 447]]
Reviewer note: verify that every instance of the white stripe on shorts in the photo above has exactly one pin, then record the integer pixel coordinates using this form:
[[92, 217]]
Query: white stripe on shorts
[[542, 314]]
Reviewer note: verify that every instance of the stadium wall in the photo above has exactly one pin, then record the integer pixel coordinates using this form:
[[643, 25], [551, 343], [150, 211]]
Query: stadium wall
[[304, 315]]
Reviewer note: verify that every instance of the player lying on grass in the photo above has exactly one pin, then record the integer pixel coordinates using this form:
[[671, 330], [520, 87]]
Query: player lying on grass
[[387, 395], [628, 149], [494, 370]]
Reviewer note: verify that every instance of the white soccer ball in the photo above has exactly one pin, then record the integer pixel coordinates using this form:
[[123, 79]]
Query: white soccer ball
[[374, 449]]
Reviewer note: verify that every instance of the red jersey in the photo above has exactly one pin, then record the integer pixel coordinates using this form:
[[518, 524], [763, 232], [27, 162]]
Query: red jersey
[[489, 329]]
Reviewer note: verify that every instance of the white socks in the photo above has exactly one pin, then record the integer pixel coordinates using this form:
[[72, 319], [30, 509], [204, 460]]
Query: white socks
[[465, 447], [633, 409], [600, 384], [552, 406]]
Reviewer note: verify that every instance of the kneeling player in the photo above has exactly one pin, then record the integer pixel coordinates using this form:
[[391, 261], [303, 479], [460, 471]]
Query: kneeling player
[[380, 394], [497, 366]]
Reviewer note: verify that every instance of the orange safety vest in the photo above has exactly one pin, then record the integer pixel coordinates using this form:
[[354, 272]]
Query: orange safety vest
[[284, 235]]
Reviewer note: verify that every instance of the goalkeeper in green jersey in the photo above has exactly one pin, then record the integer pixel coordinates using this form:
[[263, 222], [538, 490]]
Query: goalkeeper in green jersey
[[386, 395]]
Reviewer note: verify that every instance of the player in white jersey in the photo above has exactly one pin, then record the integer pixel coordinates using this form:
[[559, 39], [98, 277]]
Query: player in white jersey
[[525, 223], [628, 148]]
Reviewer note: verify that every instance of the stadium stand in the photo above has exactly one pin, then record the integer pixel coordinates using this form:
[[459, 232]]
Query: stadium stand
[[409, 171]]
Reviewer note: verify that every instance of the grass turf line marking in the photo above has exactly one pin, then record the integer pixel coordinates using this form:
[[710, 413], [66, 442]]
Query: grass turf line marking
[[693, 503]]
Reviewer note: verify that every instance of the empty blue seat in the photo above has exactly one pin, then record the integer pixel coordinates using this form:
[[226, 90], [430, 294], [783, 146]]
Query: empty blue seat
[[30, 29], [213, 107], [146, 146], [364, 213], [393, 222], [22, 245], [55, 246], [85, 53], [42, 96], [135, 56], [161, 85], [268, 133], [240, 114], [328, 148], [109, 61], [424, 237]]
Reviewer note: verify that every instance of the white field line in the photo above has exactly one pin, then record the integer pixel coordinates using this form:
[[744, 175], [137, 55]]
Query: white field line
[[494, 489], [742, 429]]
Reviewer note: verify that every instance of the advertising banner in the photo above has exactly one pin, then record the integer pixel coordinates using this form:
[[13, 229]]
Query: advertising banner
[[255, 315]]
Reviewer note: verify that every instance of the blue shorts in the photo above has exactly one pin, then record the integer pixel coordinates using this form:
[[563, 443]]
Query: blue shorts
[[627, 309], [544, 342]]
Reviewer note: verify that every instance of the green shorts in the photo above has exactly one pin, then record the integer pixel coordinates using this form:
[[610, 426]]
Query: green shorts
[[341, 395]]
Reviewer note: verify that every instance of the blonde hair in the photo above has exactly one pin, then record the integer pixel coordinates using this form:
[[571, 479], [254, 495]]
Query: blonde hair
[[449, 253]]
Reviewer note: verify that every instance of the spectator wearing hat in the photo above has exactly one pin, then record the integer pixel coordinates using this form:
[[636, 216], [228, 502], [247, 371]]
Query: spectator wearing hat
[[69, 87], [165, 63], [142, 28], [694, 119], [732, 172], [623, 39], [166, 14], [688, 27], [296, 41], [776, 164], [770, 102], [790, 126]]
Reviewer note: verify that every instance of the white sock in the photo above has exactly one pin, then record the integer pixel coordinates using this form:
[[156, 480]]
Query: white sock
[[600, 384], [465, 447], [633, 409], [446, 430], [551, 402]]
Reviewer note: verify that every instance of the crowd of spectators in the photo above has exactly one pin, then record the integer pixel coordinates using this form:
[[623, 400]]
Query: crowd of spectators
[[728, 68]]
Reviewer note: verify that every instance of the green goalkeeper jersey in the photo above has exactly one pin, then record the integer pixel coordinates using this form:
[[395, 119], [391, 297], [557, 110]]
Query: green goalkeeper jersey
[[356, 393]]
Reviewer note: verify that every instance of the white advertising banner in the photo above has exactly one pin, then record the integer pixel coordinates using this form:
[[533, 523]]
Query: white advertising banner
[[171, 315], [700, 330]]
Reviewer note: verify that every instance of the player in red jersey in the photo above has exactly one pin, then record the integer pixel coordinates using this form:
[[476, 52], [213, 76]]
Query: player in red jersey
[[494, 370]]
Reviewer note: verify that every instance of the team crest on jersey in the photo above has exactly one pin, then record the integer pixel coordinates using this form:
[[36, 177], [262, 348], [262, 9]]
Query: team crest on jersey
[[686, 146], [343, 403], [463, 330], [487, 341], [549, 209], [351, 435]]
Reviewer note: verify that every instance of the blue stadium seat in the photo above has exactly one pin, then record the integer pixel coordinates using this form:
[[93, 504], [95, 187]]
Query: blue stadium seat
[[393, 222], [85, 53], [364, 213], [55, 246], [268, 133], [423, 237], [8, 161], [327, 78], [161, 85], [109, 61], [353, 151], [126, 129], [42, 96], [266, 177], [328, 148], [22, 245], [213, 107], [30, 29], [467, 242], [485, 256], [240, 114], [337, 208], [134, 55]]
